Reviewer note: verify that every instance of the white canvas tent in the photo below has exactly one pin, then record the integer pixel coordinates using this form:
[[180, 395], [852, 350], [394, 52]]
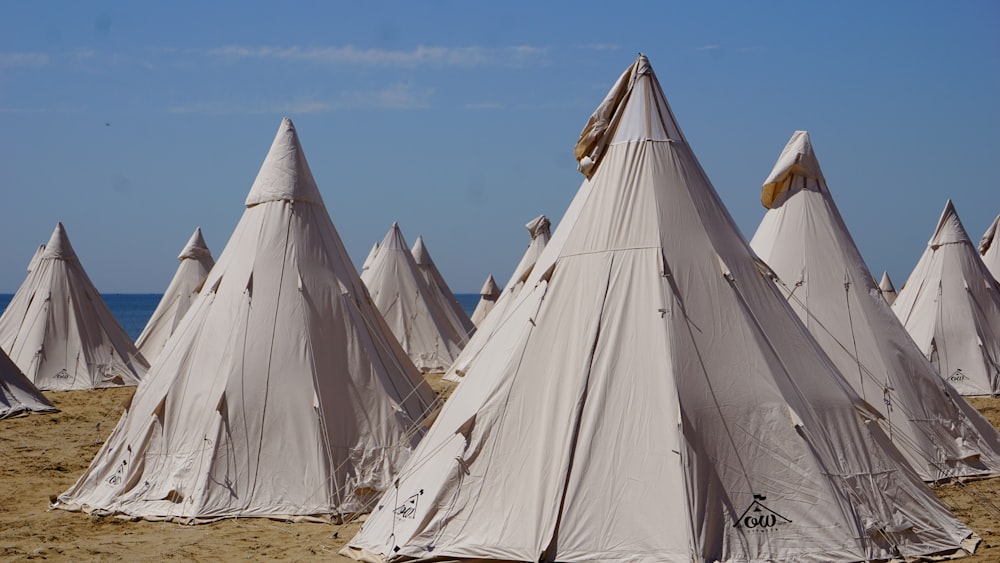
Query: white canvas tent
[[951, 307], [989, 248], [371, 256], [538, 230], [410, 307], [887, 289], [282, 393], [660, 401], [17, 395], [820, 271], [454, 312], [58, 330], [195, 263], [488, 296]]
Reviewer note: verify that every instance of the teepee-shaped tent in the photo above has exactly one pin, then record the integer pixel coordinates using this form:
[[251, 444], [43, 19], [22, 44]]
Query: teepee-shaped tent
[[660, 401], [17, 395], [989, 248], [454, 312], [195, 263], [538, 229], [58, 330], [887, 289], [410, 307], [371, 256], [804, 240], [488, 296], [951, 307], [282, 393]]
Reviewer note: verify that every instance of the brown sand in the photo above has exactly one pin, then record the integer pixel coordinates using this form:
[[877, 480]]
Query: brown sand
[[30, 473]]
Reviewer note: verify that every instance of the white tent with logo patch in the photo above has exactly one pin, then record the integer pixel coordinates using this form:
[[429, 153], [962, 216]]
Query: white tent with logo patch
[[821, 273], [17, 395], [454, 312], [951, 307], [887, 289], [410, 307], [195, 263], [659, 400], [989, 248], [488, 296], [59, 331], [282, 394], [538, 230]]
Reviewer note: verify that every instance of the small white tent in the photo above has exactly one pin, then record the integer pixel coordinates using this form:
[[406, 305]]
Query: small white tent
[[17, 395], [804, 239], [989, 248], [951, 307], [660, 401], [453, 311], [195, 263], [59, 331], [488, 296], [410, 307], [371, 256], [538, 230], [887, 289], [282, 394]]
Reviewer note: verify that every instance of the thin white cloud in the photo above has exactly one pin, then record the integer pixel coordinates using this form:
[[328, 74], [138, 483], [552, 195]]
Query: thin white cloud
[[396, 96], [393, 97], [422, 55], [600, 46], [710, 47], [23, 59]]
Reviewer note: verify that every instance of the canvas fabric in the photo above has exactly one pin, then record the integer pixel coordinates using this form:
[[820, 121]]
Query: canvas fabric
[[488, 296], [887, 289], [989, 248], [18, 396], [453, 311]]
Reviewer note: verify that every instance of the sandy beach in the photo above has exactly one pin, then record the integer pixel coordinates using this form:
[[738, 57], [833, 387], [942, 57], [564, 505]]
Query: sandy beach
[[44, 454]]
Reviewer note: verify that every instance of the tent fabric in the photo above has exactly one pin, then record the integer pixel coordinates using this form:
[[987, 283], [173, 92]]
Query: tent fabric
[[989, 248], [18, 396], [282, 393], [58, 330], [539, 231], [887, 289], [488, 296], [410, 307], [195, 263], [453, 311], [658, 401], [951, 307], [371, 256], [820, 271]]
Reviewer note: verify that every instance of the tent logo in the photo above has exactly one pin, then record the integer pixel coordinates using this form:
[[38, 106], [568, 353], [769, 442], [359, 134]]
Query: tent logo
[[63, 374], [759, 517], [409, 507], [958, 376]]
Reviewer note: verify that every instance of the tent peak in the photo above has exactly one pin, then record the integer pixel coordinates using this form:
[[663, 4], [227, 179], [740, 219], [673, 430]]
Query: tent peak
[[58, 246], [990, 236], [285, 173], [538, 226], [490, 288], [949, 228], [797, 160], [195, 247], [420, 253], [394, 239], [886, 283]]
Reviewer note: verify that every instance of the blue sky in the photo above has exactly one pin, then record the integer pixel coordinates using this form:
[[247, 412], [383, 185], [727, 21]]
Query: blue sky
[[135, 122]]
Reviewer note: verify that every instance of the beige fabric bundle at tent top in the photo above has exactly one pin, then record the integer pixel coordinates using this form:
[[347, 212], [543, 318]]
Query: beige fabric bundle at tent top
[[410, 307], [951, 307], [538, 230], [58, 330], [989, 248], [659, 401], [820, 271], [17, 395], [887, 289], [195, 263], [454, 312], [488, 296], [282, 393]]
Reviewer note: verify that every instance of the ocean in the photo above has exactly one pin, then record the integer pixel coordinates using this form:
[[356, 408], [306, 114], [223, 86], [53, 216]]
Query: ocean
[[134, 309]]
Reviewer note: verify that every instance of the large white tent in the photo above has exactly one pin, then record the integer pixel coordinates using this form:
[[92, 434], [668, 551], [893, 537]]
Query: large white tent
[[989, 248], [282, 393], [453, 311], [660, 400], [805, 241], [17, 395], [410, 307], [59, 331], [488, 296], [886, 287], [539, 231], [951, 307], [195, 263]]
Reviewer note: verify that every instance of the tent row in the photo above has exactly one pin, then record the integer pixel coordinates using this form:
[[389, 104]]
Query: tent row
[[648, 386]]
